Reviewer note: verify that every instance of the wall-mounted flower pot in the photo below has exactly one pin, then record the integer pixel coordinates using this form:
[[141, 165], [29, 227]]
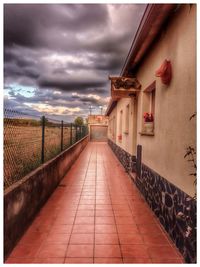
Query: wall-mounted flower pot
[[148, 127]]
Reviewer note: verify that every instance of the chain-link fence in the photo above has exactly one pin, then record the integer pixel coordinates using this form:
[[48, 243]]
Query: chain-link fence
[[30, 141]]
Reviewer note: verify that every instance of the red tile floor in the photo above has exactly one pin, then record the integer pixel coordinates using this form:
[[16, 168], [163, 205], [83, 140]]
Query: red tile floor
[[96, 215]]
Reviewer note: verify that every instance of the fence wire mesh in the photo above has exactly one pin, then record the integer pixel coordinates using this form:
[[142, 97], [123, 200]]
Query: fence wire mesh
[[67, 141], [52, 139], [30, 141]]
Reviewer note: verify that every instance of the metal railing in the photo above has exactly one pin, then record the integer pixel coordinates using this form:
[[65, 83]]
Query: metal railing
[[30, 141]]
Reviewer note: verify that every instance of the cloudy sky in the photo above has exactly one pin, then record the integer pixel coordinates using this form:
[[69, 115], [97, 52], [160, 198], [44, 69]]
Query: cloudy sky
[[57, 58]]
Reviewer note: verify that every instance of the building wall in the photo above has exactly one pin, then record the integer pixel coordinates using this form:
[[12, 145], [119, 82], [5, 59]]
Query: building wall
[[97, 120], [174, 104], [128, 141], [164, 176], [112, 125]]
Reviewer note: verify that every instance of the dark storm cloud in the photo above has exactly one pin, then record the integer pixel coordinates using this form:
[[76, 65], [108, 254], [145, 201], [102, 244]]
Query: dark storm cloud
[[71, 84], [46, 98], [104, 62], [29, 24], [110, 63], [9, 55], [103, 91], [19, 65], [89, 100], [12, 69], [54, 98], [68, 48]]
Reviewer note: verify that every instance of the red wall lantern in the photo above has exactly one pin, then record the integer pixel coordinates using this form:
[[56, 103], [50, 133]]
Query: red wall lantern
[[165, 72]]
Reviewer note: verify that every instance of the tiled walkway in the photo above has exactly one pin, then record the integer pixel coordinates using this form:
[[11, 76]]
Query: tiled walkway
[[96, 215]]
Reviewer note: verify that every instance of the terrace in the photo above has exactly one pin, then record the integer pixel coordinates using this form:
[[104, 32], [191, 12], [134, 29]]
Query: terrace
[[115, 188], [95, 215]]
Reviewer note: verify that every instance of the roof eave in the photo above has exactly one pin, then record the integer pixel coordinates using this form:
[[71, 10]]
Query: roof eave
[[151, 23], [111, 105], [154, 17]]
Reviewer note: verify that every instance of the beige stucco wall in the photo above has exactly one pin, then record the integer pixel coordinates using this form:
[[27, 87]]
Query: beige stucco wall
[[174, 104], [111, 121], [128, 141], [96, 120]]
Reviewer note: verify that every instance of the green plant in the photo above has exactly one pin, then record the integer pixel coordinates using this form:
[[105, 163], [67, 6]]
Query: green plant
[[190, 229], [191, 157]]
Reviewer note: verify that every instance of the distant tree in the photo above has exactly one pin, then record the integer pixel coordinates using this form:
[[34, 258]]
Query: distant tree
[[79, 121]]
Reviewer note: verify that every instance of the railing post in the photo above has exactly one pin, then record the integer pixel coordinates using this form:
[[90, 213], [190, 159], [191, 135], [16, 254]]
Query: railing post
[[43, 135], [61, 141], [71, 133], [84, 131], [81, 132], [76, 132]]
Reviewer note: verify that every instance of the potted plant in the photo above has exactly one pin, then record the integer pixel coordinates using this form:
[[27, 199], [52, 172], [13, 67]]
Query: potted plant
[[148, 122]]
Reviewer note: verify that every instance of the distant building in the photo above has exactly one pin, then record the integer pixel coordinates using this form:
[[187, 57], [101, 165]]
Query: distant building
[[98, 127], [149, 117]]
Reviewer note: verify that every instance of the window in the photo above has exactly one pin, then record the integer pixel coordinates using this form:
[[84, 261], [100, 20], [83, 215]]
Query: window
[[110, 126], [114, 127], [127, 120], [120, 126], [149, 109], [152, 102]]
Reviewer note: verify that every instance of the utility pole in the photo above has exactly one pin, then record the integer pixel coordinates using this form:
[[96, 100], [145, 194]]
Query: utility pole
[[101, 108], [90, 109], [43, 136]]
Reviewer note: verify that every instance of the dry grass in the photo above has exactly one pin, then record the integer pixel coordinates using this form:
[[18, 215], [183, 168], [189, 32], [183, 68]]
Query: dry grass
[[22, 149]]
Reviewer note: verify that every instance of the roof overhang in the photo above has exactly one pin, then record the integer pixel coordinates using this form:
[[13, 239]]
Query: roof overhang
[[111, 105], [151, 24]]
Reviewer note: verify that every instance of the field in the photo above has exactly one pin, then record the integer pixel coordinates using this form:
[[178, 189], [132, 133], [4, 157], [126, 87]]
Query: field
[[23, 144]]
